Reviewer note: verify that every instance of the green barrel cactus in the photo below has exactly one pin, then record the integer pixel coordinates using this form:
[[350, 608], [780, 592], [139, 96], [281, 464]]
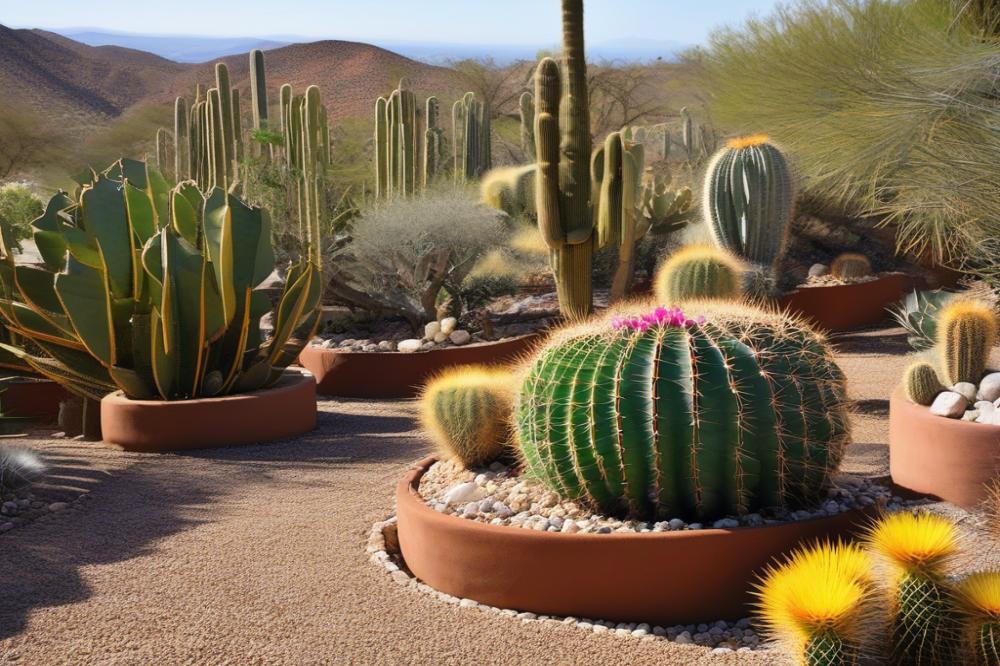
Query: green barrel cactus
[[664, 416], [698, 272], [851, 266], [748, 199], [921, 383]]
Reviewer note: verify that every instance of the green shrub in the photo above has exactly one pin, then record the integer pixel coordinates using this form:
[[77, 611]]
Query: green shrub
[[18, 207]]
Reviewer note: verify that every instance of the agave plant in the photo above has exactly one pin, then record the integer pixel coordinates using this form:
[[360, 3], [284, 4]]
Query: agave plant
[[152, 291], [918, 314]]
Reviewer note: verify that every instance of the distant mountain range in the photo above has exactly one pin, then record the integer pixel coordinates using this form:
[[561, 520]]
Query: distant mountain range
[[191, 49]]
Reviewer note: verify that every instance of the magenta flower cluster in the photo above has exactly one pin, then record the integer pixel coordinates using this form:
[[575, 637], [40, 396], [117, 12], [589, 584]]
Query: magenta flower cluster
[[661, 317]]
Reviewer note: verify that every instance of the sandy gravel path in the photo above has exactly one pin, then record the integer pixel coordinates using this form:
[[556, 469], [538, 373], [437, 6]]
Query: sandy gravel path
[[256, 555]]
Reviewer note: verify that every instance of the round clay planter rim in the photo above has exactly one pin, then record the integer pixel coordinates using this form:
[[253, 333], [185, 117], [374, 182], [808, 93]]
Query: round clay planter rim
[[408, 492], [959, 426], [436, 350], [290, 377]]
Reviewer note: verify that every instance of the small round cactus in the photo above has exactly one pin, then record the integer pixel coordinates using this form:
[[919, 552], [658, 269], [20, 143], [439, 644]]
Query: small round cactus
[[979, 602], [467, 412], [967, 332], [698, 272], [921, 383], [851, 266]]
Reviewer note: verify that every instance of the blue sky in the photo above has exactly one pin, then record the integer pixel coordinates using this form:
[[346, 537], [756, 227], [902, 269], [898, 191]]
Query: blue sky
[[444, 21]]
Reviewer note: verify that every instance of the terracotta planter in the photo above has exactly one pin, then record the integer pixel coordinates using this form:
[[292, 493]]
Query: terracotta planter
[[950, 459], [398, 375], [847, 307], [282, 411], [658, 577], [27, 397]]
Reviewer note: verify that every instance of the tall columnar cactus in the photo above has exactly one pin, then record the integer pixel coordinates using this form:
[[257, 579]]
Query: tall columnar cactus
[[153, 291], [687, 134], [433, 142], [967, 332], [698, 272], [258, 93], [925, 624], [563, 151], [851, 266], [182, 141], [471, 134], [921, 383], [467, 412], [664, 416], [287, 134], [237, 131], [226, 129], [748, 200], [526, 109], [381, 148], [397, 143], [979, 601], [162, 150], [820, 604]]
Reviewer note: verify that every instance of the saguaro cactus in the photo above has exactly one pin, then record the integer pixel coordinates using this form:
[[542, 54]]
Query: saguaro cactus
[[748, 199], [433, 141], [471, 131], [162, 150], [397, 143], [526, 108], [258, 93], [182, 141], [227, 134], [665, 416]]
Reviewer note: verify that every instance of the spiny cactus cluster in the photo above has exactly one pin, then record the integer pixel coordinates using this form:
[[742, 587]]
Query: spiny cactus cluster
[[851, 266], [698, 272], [966, 334], [396, 143], [467, 412], [471, 133], [662, 415]]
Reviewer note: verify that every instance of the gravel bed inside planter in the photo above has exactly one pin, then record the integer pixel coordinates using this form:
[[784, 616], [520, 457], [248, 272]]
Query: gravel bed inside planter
[[722, 637], [499, 495], [831, 281]]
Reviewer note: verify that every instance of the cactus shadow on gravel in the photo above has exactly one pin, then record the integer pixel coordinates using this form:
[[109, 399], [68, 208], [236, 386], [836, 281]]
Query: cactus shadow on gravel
[[40, 564]]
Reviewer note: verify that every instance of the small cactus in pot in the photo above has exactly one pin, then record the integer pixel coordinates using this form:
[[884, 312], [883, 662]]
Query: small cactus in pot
[[967, 332], [851, 266], [698, 272], [921, 383]]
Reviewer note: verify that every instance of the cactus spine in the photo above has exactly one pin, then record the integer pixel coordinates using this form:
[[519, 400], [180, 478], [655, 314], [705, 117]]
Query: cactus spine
[[698, 272], [748, 200], [467, 412], [182, 141], [664, 416], [921, 383], [471, 131], [526, 109], [967, 331], [563, 150], [851, 266]]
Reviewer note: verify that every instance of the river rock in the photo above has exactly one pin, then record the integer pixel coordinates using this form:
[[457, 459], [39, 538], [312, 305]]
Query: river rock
[[448, 324], [409, 346], [440, 336], [989, 388], [463, 492], [819, 270], [949, 404], [460, 337], [387, 346], [431, 329], [967, 389]]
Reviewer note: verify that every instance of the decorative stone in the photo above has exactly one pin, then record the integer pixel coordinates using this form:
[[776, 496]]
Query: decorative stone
[[967, 389], [387, 346], [440, 336], [460, 337], [431, 329], [448, 324], [989, 387], [995, 417], [972, 415], [949, 404], [427, 346], [409, 346], [819, 270], [463, 492], [58, 506]]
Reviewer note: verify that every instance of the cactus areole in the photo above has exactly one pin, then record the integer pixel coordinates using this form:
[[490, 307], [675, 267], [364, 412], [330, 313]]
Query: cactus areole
[[664, 415]]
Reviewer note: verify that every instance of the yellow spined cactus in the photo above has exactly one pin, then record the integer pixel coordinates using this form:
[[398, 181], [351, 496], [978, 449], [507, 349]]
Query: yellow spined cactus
[[818, 603], [466, 410], [851, 266], [979, 604], [967, 332], [699, 272]]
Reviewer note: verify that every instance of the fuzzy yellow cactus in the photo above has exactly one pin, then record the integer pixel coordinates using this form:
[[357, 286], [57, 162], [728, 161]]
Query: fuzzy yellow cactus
[[467, 410], [698, 272], [819, 602], [921, 383], [967, 332], [979, 603], [918, 548], [851, 266]]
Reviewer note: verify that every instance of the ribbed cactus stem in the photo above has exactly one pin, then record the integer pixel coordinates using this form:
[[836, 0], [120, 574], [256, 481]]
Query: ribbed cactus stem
[[748, 200], [921, 383], [381, 148], [432, 142], [162, 150], [182, 142], [228, 135], [851, 266], [237, 130], [925, 628], [687, 133], [967, 332], [219, 175], [285, 96], [698, 272], [526, 111], [258, 90]]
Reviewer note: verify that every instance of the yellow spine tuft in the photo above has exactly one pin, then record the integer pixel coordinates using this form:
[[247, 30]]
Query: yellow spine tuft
[[921, 543], [747, 141]]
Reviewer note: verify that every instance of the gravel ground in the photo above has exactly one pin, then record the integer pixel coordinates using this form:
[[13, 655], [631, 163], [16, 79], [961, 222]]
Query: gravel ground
[[256, 555]]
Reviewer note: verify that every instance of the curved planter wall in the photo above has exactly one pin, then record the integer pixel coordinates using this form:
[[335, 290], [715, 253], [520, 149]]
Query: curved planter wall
[[31, 398], [947, 458], [658, 577], [848, 307], [285, 410], [399, 375]]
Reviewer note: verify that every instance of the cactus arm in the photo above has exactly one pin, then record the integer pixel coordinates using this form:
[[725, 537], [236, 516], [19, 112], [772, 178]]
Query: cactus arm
[[574, 120]]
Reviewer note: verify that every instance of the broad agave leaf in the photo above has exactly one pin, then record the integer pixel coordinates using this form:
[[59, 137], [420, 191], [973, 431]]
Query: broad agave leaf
[[918, 313], [153, 290]]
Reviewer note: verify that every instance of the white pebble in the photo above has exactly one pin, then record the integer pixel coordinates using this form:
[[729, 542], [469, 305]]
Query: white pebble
[[463, 492], [431, 329], [448, 325], [409, 346]]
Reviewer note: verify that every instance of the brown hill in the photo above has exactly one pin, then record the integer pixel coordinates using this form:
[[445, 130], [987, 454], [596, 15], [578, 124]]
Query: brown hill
[[84, 87]]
